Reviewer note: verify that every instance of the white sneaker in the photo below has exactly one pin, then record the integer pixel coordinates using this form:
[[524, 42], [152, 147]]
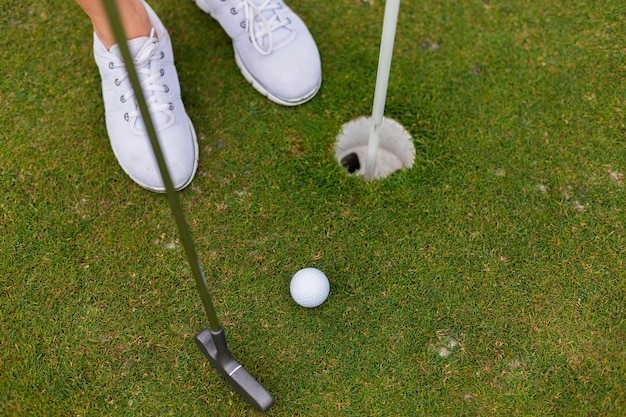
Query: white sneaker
[[273, 47], [154, 61]]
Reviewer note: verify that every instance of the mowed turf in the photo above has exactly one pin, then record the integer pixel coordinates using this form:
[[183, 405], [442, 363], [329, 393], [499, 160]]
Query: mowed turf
[[489, 279]]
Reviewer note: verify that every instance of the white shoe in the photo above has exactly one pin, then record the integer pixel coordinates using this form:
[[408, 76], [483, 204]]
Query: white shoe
[[273, 47], [154, 61]]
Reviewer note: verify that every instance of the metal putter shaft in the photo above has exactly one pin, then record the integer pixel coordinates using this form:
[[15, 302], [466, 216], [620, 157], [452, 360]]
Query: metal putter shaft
[[211, 342]]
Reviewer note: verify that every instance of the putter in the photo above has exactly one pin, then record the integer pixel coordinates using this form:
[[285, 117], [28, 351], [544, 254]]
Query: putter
[[212, 342]]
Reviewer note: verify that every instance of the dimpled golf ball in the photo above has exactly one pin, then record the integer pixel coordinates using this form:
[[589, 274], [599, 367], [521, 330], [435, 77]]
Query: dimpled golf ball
[[309, 287]]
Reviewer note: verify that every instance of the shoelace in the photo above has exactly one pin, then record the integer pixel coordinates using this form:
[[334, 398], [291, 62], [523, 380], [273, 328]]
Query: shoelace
[[259, 23], [148, 82]]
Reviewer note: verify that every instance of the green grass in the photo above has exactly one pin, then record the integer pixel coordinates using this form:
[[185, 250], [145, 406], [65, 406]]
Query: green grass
[[487, 280]]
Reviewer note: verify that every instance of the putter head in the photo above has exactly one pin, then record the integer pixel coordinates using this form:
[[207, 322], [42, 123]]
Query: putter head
[[213, 345]]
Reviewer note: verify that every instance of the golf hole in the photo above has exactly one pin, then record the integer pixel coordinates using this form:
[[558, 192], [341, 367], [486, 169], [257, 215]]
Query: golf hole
[[396, 150]]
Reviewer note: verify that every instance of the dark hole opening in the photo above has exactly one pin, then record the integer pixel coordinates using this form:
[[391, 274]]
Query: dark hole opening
[[351, 162]]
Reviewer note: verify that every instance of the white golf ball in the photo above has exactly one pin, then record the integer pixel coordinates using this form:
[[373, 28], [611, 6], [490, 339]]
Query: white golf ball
[[309, 287]]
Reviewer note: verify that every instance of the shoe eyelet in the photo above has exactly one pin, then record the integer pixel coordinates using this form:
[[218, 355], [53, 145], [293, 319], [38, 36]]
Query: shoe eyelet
[[122, 99], [111, 65], [117, 82], [243, 24], [233, 11], [126, 117], [167, 89], [162, 55], [171, 106], [162, 72]]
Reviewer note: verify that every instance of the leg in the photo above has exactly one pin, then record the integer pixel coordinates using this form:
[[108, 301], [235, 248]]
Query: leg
[[134, 18]]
